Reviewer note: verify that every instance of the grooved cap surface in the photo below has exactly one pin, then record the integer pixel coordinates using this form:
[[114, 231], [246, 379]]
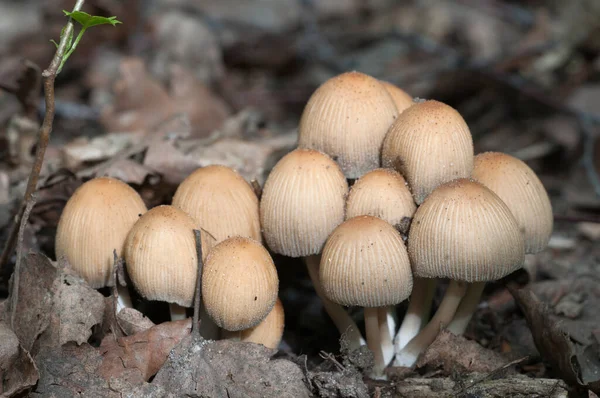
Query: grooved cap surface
[[270, 331], [239, 283], [160, 254], [464, 231], [429, 144], [401, 98], [302, 202], [381, 193], [347, 118], [221, 202], [365, 263], [94, 222], [522, 191]]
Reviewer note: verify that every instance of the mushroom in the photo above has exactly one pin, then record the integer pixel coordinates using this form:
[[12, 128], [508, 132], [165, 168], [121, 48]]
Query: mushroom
[[302, 203], [347, 118], [384, 193], [365, 263], [430, 144], [401, 98], [522, 191], [268, 332], [95, 223], [239, 283], [464, 232], [222, 203], [160, 253]]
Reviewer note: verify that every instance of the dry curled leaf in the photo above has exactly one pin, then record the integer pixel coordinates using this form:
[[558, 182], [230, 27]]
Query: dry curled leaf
[[17, 370]]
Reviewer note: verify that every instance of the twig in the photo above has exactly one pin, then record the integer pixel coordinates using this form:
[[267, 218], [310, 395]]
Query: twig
[[493, 373], [197, 297], [17, 273], [330, 357], [48, 76]]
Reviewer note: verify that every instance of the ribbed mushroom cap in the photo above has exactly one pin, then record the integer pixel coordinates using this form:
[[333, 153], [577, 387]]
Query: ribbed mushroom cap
[[221, 202], [381, 193], [302, 202], [464, 231], [268, 332], [160, 254], [365, 263], [94, 222], [239, 283], [347, 118], [400, 97], [522, 191], [430, 144]]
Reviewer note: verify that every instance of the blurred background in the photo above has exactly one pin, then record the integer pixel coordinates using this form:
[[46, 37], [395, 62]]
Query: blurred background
[[186, 83]]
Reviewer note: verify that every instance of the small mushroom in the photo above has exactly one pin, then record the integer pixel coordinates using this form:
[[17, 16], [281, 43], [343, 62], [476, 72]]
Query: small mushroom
[[401, 98], [95, 223], [222, 203], [160, 253], [302, 203], [464, 232], [347, 118], [239, 283], [268, 332], [522, 191], [365, 263], [429, 144]]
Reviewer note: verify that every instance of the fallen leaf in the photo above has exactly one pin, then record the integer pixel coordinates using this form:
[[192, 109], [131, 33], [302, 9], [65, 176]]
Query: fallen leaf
[[83, 150], [132, 321], [199, 367], [142, 354], [571, 360], [457, 354]]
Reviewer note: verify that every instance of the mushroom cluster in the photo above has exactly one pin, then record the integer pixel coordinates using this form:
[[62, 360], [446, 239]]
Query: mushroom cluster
[[382, 198]]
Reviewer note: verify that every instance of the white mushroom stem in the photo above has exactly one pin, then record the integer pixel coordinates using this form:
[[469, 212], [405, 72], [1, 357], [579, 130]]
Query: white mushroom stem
[[123, 298], [372, 327], [208, 328], [177, 312], [336, 312], [467, 308], [408, 356], [418, 311], [386, 333]]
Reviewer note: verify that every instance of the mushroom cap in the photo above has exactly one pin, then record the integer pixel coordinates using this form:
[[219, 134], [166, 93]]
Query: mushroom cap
[[464, 231], [239, 283], [430, 144], [347, 118], [268, 332], [302, 202], [522, 191], [222, 203], [94, 222], [160, 253], [381, 193], [401, 98], [365, 263]]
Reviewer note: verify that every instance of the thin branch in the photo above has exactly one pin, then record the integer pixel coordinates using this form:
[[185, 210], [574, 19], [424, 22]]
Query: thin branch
[[48, 75], [197, 296]]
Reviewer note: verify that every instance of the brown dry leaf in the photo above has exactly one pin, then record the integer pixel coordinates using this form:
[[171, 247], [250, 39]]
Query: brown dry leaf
[[82, 150], [132, 321], [198, 368], [20, 375], [128, 171], [142, 354], [53, 306], [457, 354], [578, 365]]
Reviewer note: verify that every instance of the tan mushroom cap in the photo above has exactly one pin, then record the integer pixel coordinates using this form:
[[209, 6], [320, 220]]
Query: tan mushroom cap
[[365, 263], [270, 331], [94, 222], [381, 193], [401, 98], [522, 191], [222, 203], [429, 144], [239, 283], [347, 118], [464, 231], [302, 202], [160, 254]]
